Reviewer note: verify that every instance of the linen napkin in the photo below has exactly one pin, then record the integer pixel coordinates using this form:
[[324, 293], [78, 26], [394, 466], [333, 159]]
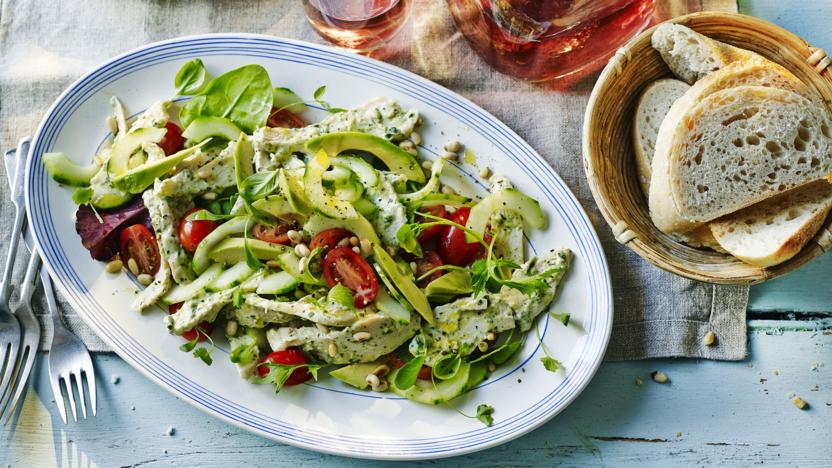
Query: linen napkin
[[657, 314]]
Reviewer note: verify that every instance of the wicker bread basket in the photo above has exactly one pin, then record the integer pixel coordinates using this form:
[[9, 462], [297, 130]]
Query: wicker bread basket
[[608, 151]]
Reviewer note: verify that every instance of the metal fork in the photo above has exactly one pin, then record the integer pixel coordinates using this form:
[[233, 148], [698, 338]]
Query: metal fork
[[9, 325], [68, 357], [29, 323]]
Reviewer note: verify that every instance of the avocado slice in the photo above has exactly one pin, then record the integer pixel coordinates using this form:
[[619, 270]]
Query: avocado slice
[[395, 158], [405, 285], [232, 250], [201, 259], [356, 374], [243, 158], [64, 171], [327, 204], [449, 285], [137, 179], [507, 199], [294, 193], [275, 205], [358, 226], [125, 145], [207, 127]]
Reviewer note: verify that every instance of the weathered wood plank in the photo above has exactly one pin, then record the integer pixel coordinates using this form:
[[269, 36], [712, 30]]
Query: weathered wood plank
[[723, 412]]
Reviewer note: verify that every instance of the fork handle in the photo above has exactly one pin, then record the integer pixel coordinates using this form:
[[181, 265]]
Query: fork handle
[[31, 277], [5, 288], [50, 300]]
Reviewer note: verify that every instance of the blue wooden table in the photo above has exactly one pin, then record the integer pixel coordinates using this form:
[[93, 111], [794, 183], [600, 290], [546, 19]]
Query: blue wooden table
[[711, 412]]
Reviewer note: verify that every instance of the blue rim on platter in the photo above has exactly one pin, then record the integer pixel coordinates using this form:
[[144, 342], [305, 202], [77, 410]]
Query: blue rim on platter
[[598, 323]]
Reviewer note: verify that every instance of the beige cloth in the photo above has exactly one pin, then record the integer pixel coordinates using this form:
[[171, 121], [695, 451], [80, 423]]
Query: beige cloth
[[45, 45]]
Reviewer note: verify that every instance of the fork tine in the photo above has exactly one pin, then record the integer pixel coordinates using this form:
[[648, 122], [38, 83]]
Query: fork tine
[[90, 376], [7, 368], [70, 396], [27, 360], [77, 377], [55, 382]]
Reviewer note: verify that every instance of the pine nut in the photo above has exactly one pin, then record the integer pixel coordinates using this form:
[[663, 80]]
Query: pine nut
[[332, 349], [302, 250], [357, 250], [709, 339], [133, 266], [453, 146], [449, 156], [407, 145], [302, 264], [491, 366], [485, 172], [144, 279], [416, 138], [366, 247], [343, 242], [114, 266], [209, 196], [373, 380], [231, 328], [294, 236], [361, 336], [322, 328], [203, 173], [381, 370], [482, 346], [412, 151], [491, 336], [353, 241], [427, 165], [659, 377]]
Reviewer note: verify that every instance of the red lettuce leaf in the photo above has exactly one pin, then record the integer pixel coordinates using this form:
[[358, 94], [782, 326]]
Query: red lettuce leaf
[[101, 237]]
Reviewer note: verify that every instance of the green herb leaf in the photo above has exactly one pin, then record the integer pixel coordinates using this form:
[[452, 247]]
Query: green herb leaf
[[189, 346], [447, 366], [407, 236], [258, 185], [479, 276], [245, 353], [319, 93], [223, 206], [237, 298], [564, 318], [485, 414], [251, 259], [341, 295], [280, 373], [551, 364], [82, 196], [408, 373], [204, 354], [191, 79], [191, 110]]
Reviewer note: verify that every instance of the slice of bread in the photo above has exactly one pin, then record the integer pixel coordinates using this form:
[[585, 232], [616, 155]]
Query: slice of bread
[[652, 106], [736, 147], [691, 55], [775, 230]]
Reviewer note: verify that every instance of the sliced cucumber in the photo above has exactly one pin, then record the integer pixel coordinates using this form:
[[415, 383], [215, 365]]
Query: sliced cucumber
[[231, 277], [358, 226], [327, 204], [365, 207], [430, 187], [336, 174], [207, 127], [278, 283], [233, 226], [506, 199], [365, 172], [251, 283], [395, 158], [405, 285], [350, 190], [286, 99], [391, 307], [64, 171], [289, 262], [434, 392], [125, 145], [183, 292], [232, 250]]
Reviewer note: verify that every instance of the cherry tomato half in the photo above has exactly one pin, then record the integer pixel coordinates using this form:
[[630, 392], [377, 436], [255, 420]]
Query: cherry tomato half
[[428, 262], [277, 234], [289, 357], [285, 118], [425, 373], [172, 141], [205, 328], [138, 243], [329, 238], [191, 232], [394, 360], [432, 232], [342, 265], [452, 246]]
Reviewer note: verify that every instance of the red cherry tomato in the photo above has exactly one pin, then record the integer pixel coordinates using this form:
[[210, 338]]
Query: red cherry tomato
[[285, 118], [205, 328], [289, 357], [452, 246], [428, 262], [138, 243], [329, 238], [425, 373], [430, 233], [394, 360], [172, 141], [342, 265], [277, 234], [191, 232]]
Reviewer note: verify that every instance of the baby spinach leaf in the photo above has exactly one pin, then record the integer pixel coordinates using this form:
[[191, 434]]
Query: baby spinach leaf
[[407, 375], [243, 95], [191, 110], [192, 78], [259, 185], [285, 98], [447, 366]]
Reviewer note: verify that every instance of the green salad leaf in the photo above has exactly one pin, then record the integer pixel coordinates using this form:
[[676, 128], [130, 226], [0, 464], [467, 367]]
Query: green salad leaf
[[192, 78], [408, 373], [259, 185], [285, 98], [280, 373], [447, 366], [485, 414]]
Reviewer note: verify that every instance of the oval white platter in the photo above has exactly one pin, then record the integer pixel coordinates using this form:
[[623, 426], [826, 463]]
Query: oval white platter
[[326, 416]]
